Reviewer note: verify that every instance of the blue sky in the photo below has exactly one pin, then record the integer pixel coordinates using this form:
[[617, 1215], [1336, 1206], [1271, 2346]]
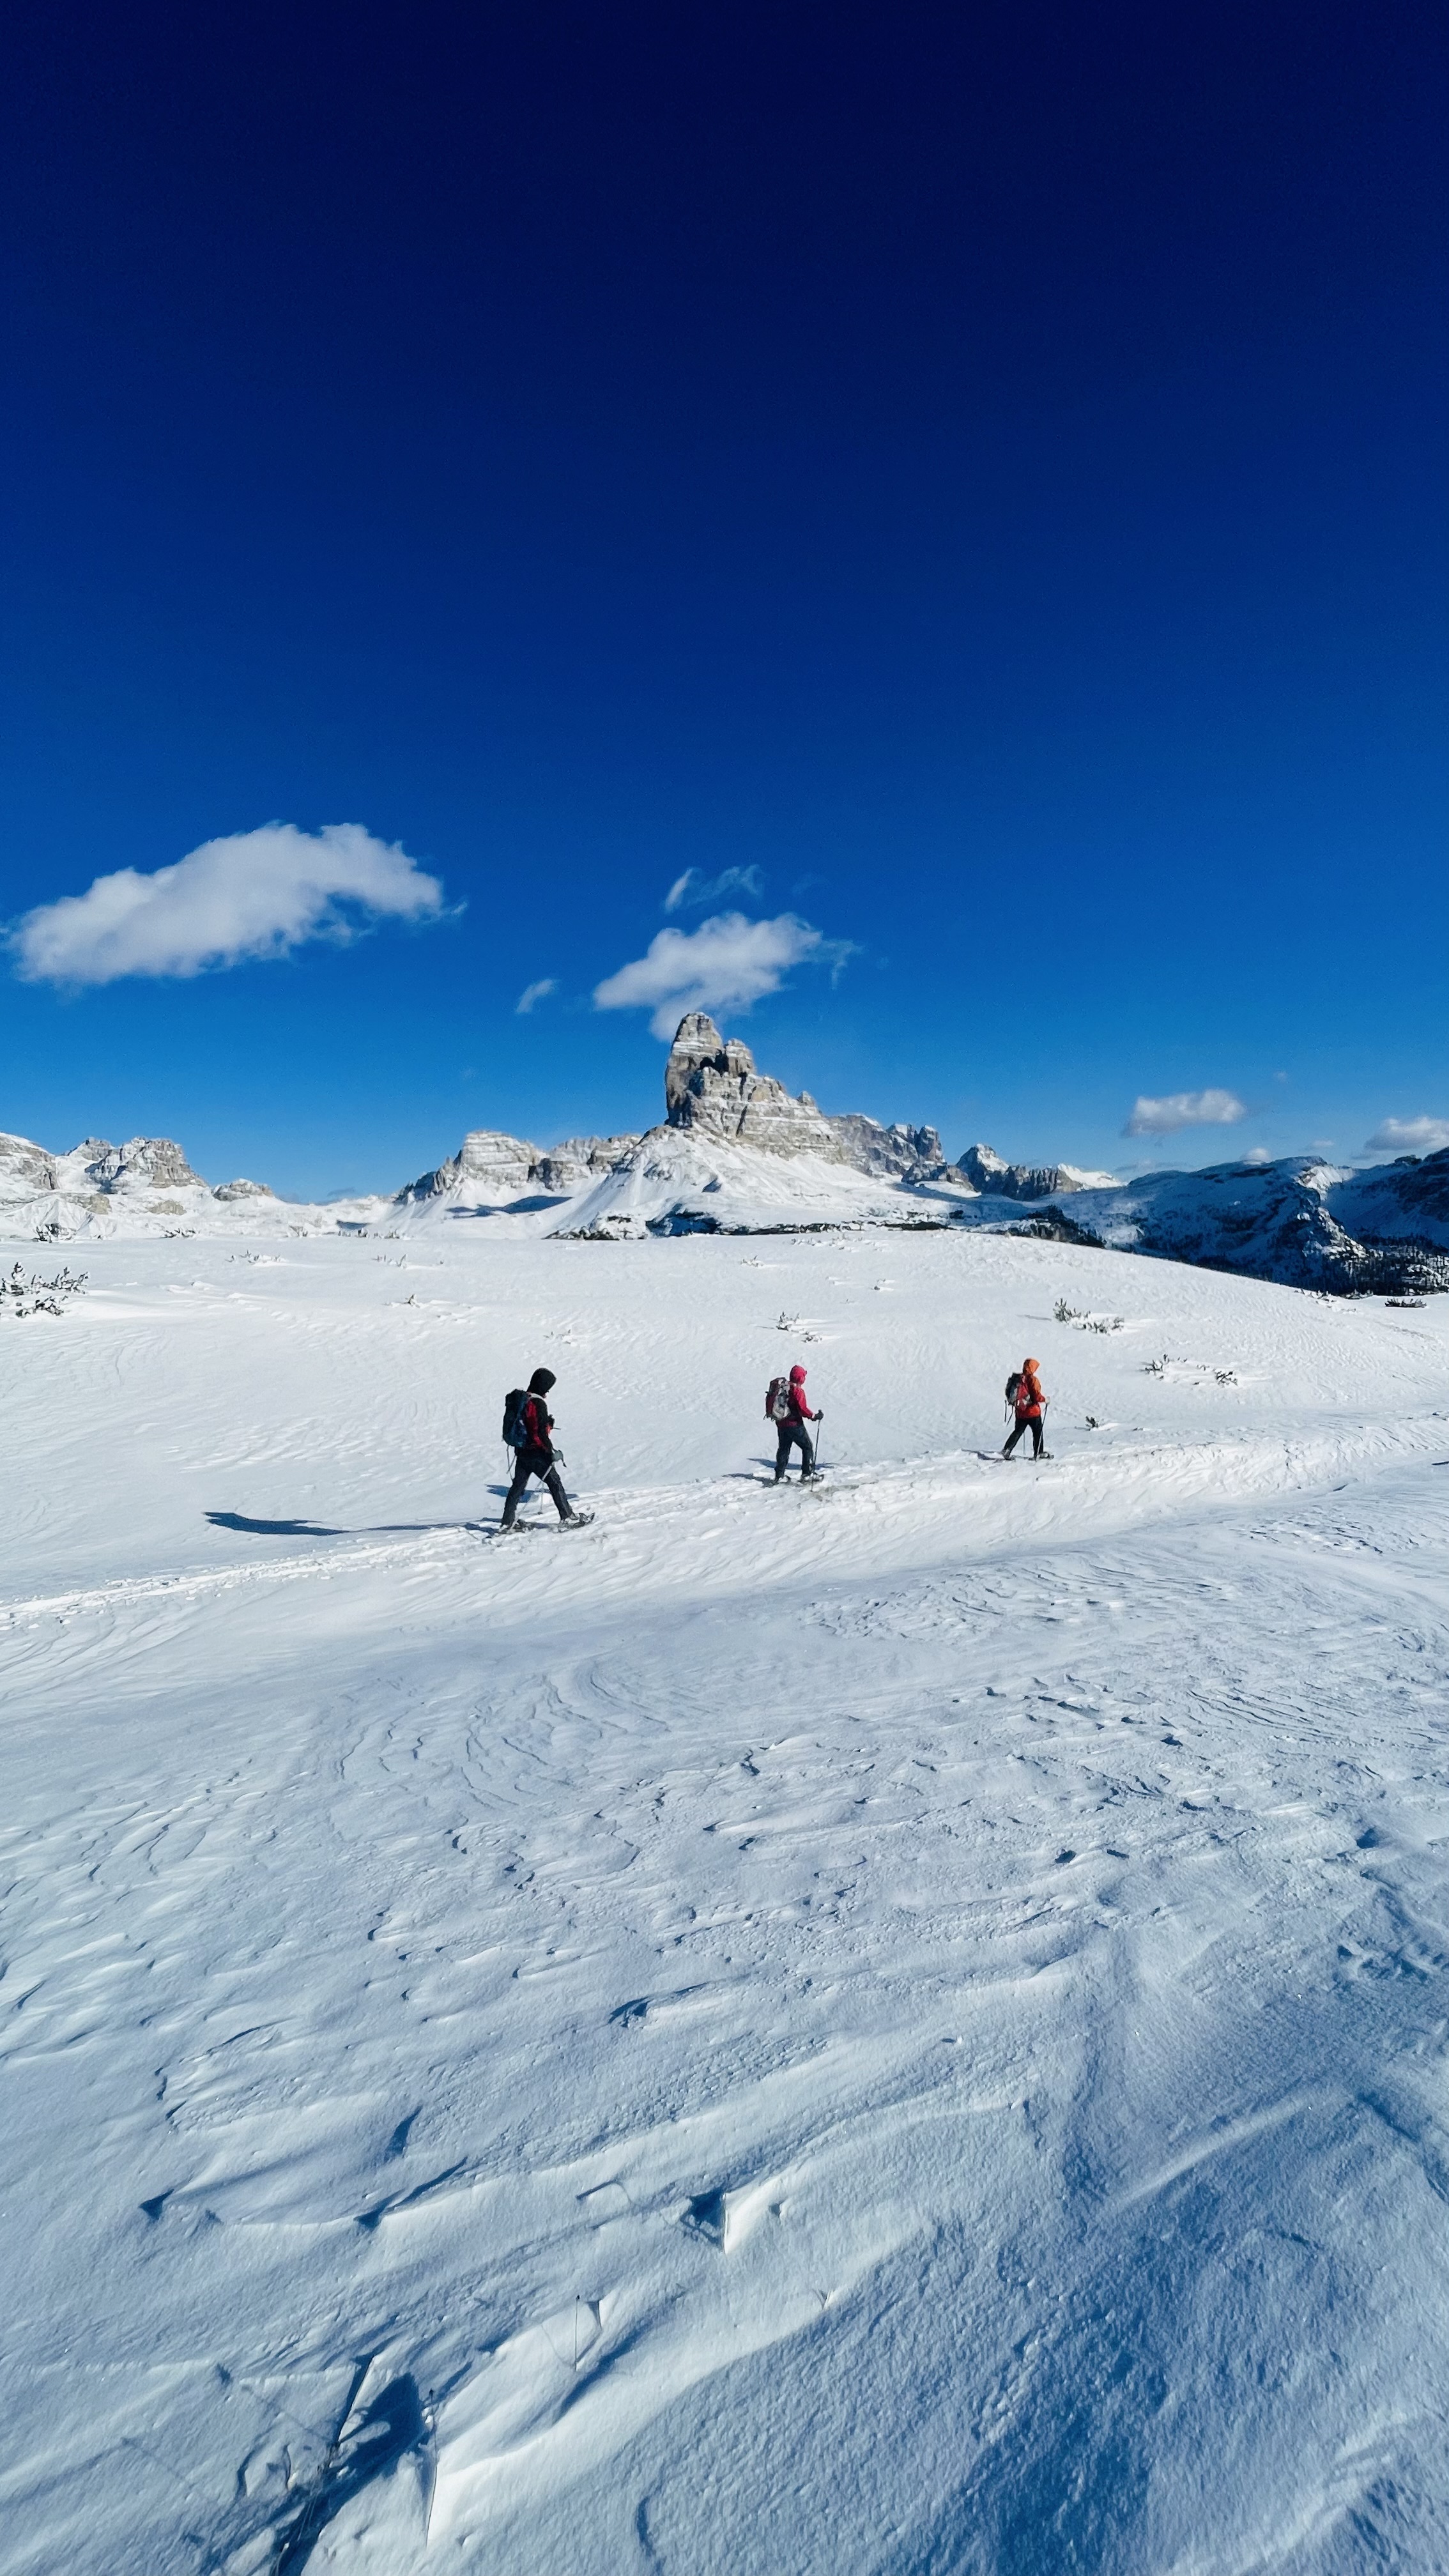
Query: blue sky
[[978, 478]]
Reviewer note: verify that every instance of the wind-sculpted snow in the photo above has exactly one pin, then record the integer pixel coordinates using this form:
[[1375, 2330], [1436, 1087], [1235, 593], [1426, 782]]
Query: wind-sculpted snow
[[898, 2027]]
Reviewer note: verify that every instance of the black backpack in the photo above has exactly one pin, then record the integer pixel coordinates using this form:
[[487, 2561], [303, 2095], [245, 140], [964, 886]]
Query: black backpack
[[515, 1429], [1012, 1383]]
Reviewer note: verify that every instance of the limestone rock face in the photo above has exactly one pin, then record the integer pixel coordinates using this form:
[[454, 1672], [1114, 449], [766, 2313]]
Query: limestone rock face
[[904, 1153], [146, 1162], [25, 1169], [710, 1085], [487, 1164], [242, 1190], [579, 1159]]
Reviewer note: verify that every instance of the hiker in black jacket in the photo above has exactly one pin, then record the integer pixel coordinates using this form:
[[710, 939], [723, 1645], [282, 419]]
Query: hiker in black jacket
[[535, 1456]]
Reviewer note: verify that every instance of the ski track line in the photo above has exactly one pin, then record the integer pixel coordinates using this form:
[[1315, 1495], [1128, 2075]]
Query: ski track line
[[1162, 1482], [204, 1583]]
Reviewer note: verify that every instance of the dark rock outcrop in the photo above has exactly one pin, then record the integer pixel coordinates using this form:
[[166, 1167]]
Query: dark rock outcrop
[[994, 1178]]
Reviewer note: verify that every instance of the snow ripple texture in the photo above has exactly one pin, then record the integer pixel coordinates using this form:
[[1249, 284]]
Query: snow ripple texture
[[897, 2028]]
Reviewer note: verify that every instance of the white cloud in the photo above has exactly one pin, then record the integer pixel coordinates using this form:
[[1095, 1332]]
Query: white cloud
[[250, 894], [726, 964], [695, 889], [1184, 1109], [1409, 1136], [1257, 1154], [538, 992]]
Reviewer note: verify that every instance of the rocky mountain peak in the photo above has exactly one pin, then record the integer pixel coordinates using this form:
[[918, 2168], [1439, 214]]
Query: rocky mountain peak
[[154, 1162], [487, 1160], [699, 1052], [710, 1084], [26, 1166]]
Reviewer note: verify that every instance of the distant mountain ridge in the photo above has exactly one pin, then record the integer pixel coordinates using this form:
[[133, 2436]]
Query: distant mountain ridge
[[738, 1153]]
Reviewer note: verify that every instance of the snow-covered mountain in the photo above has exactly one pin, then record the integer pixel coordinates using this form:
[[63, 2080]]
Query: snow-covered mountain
[[497, 1175], [1310, 1224], [995, 1178], [99, 1191], [737, 1153]]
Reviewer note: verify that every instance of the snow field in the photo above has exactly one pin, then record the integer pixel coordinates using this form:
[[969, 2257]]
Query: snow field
[[899, 2027]]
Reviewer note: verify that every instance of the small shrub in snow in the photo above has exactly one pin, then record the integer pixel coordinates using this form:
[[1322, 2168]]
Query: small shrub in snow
[[22, 1296], [1086, 1323]]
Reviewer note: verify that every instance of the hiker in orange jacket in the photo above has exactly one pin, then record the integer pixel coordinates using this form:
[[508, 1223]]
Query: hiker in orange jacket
[[1030, 1402]]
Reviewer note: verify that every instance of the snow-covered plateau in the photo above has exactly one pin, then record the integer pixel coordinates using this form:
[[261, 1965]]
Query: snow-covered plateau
[[737, 1154], [897, 2027]]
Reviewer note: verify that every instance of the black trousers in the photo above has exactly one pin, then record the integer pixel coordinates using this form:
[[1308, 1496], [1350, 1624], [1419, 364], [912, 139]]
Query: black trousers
[[1034, 1419], [791, 1435], [532, 1462]]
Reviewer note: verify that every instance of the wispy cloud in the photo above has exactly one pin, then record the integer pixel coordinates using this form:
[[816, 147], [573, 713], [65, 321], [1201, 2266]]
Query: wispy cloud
[[1184, 1109], [694, 890], [727, 964], [532, 993], [250, 894], [1409, 1136]]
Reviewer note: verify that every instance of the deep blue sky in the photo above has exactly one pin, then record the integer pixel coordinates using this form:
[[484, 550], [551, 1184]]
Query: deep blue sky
[[984, 469]]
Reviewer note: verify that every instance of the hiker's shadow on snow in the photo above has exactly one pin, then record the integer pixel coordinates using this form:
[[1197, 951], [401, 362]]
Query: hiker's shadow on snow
[[322, 1529]]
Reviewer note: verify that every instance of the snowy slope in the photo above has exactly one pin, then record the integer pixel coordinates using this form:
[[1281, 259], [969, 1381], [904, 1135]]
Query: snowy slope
[[680, 1182], [897, 2028]]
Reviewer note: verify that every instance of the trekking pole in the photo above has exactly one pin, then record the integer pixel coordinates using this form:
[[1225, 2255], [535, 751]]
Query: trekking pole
[[819, 1418]]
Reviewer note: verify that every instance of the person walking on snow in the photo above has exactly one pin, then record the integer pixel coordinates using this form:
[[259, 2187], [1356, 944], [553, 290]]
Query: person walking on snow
[[1029, 1402], [791, 1428], [535, 1452]]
